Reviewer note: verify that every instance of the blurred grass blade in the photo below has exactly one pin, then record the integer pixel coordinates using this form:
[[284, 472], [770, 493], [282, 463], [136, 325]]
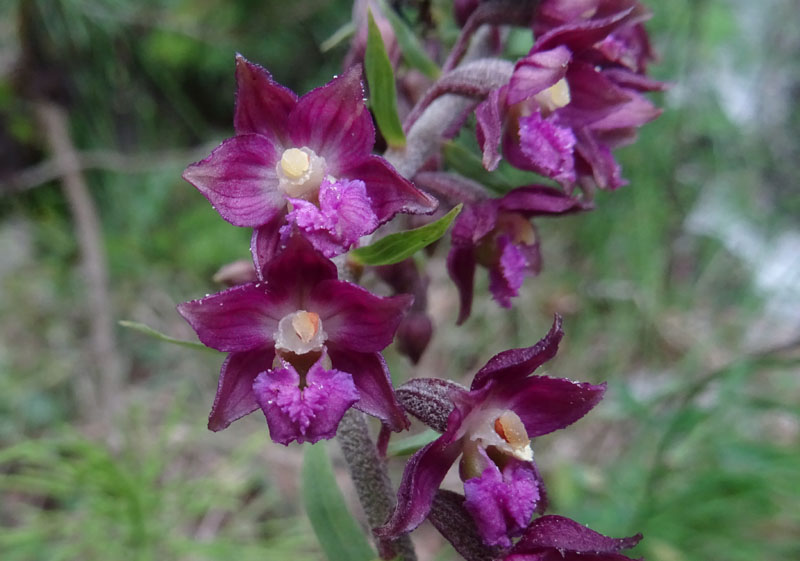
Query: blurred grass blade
[[341, 34], [413, 51], [147, 330], [408, 446], [402, 245], [382, 92], [338, 533], [468, 164]]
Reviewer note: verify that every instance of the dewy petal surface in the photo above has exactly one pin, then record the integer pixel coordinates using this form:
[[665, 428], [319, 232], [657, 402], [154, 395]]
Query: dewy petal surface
[[241, 318], [239, 180], [509, 366], [333, 121], [262, 104], [294, 272], [308, 414], [344, 215], [389, 191], [235, 397], [546, 404], [371, 377], [354, 318]]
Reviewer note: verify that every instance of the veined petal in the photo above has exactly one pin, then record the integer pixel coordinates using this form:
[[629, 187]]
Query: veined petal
[[241, 318], [546, 404], [371, 378], [389, 191], [235, 397], [423, 474], [354, 318], [294, 272], [262, 104], [592, 97], [239, 180], [509, 366], [265, 243], [536, 72], [333, 121]]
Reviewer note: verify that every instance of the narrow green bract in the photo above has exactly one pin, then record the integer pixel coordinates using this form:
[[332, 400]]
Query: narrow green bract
[[402, 245], [338, 533], [382, 93], [413, 51], [149, 331]]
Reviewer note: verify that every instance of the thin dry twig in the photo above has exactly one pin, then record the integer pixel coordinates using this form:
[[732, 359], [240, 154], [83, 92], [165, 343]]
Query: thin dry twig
[[54, 122], [109, 160]]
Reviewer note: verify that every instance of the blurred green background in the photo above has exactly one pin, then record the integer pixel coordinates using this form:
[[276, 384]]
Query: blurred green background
[[681, 290]]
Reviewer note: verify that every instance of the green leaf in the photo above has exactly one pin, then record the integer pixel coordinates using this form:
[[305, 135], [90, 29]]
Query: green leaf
[[413, 51], [402, 245], [147, 330], [382, 92], [409, 445], [338, 533]]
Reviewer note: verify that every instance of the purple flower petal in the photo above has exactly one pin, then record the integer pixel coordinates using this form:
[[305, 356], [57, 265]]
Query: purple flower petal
[[235, 397], [262, 104], [265, 243], [296, 270], [506, 278], [309, 414], [371, 377], [333, 121], [354, 318], [389, 191], [514, 364], [536, 72], [239, 180], [581, 33], [540, 200], [461, 265], [595, 163], [502, 503], [490, 115], [547, 404], [548, 147], [558, 538], [343, 216], [592, 96], [241, 318], [423, 474]]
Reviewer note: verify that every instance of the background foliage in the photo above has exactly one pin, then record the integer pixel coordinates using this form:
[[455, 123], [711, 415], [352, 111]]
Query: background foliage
[[682, 290]]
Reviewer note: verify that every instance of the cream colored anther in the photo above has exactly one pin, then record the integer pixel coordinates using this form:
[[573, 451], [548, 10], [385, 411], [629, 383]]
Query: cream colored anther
[[554, 97], [510, 428], [306, 325], [294, 163]]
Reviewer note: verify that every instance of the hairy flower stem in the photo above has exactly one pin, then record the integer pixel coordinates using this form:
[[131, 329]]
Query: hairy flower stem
[[495, 12], [473, 79], [371, 481]]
